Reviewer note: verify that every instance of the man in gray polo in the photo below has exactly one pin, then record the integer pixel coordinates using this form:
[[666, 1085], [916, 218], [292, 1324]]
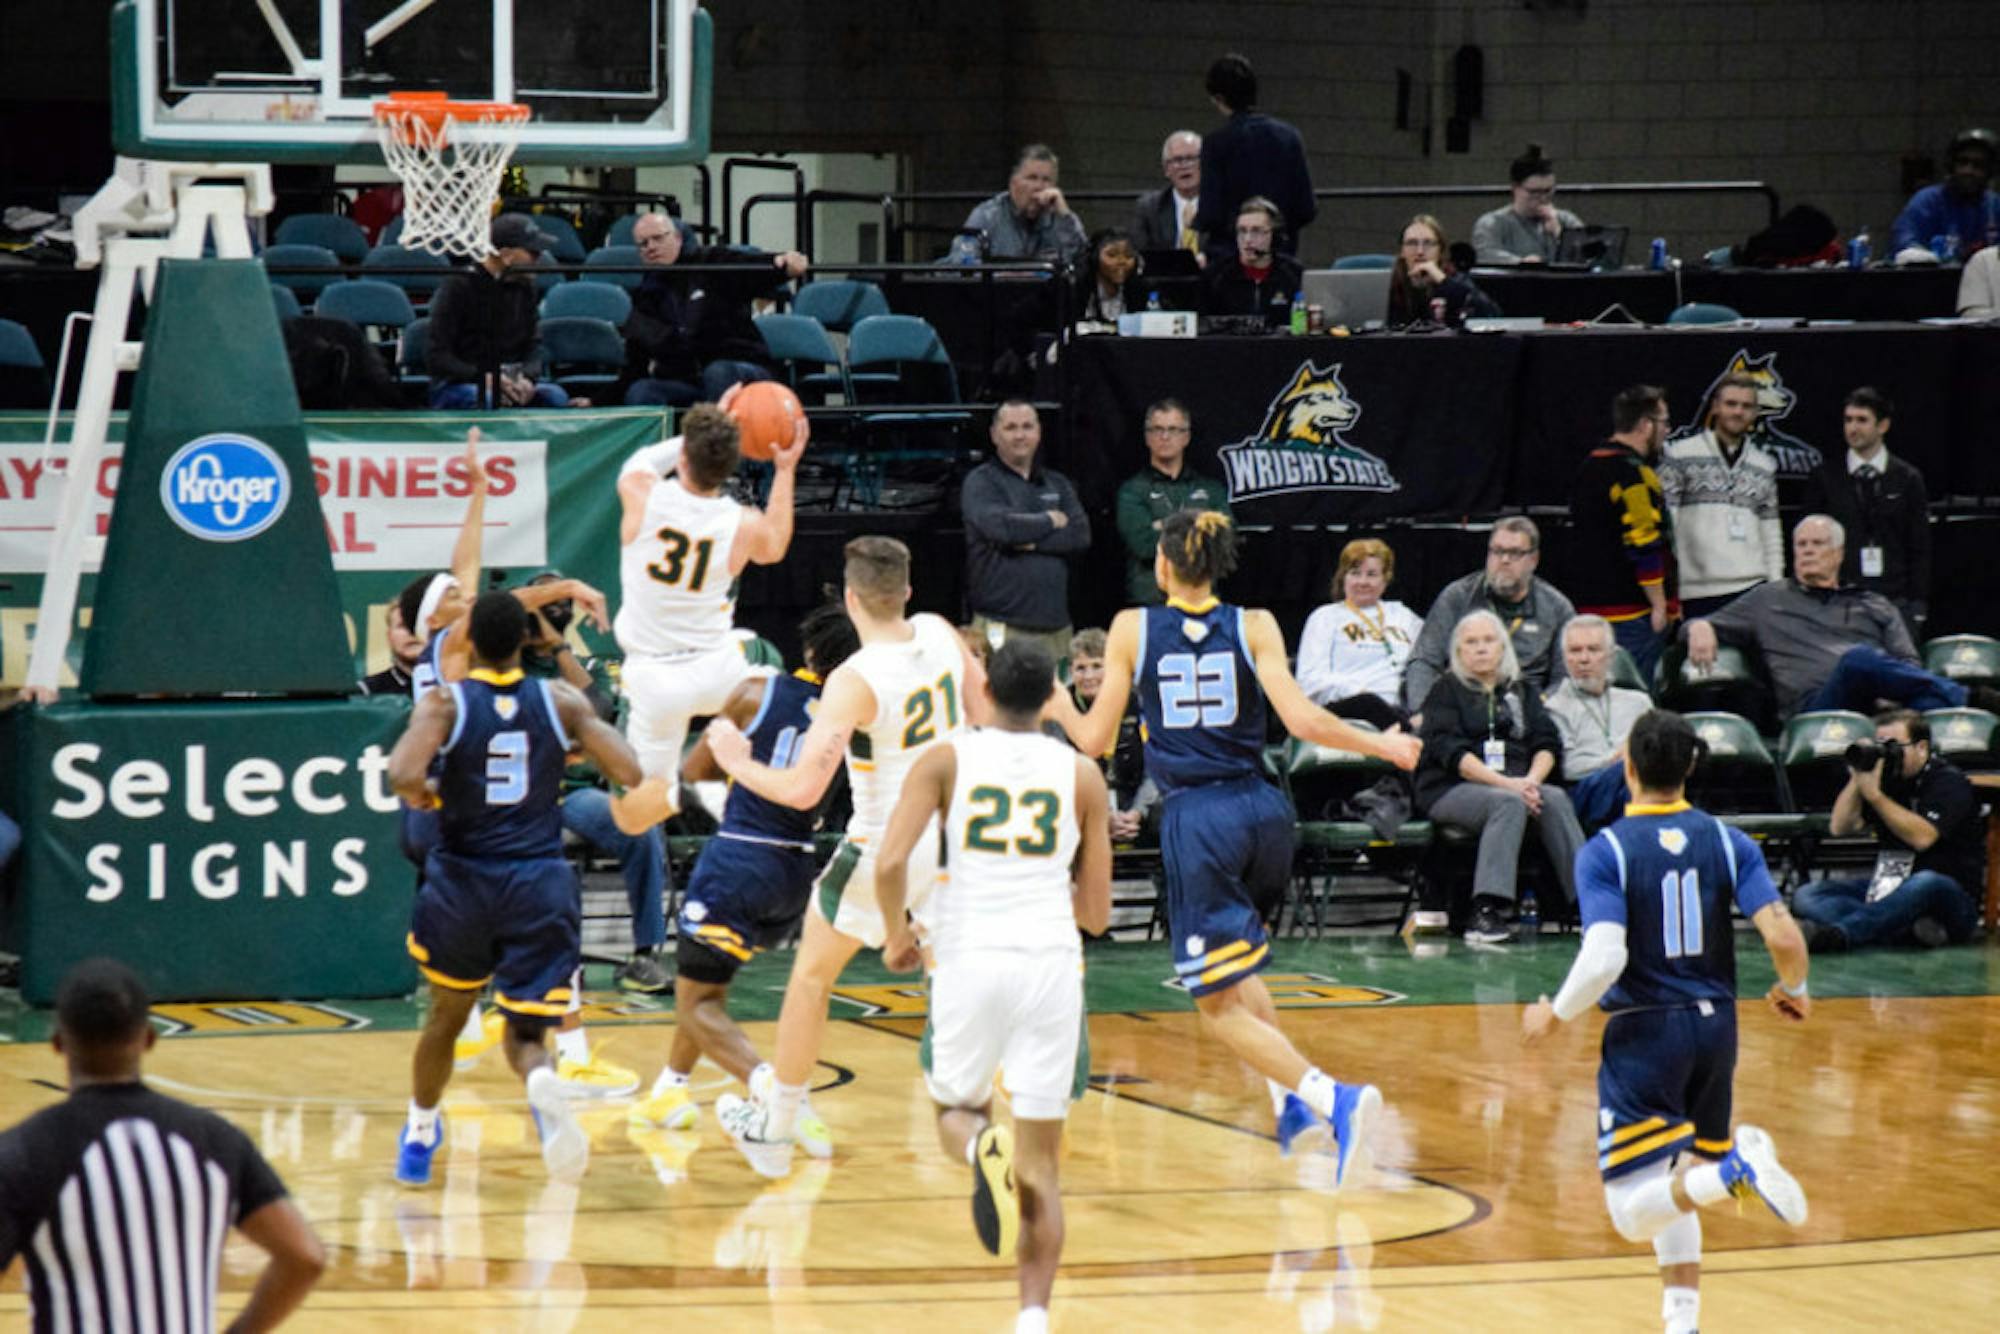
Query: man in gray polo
[[1533, 610]]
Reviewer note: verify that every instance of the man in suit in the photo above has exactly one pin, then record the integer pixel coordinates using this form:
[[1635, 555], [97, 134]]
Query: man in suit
[[1249, 156], [1881, 502], [1164, 219]]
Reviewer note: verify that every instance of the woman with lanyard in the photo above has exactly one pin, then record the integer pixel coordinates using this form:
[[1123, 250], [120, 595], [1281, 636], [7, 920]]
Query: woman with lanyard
[[1353, 650], [1489, 747]]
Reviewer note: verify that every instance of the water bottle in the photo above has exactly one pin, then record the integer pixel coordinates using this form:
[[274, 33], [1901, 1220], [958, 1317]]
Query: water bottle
[[1857, 250], [1659, 254], [965, 250], [1531, 916], [1152, 301], [1299, 311]]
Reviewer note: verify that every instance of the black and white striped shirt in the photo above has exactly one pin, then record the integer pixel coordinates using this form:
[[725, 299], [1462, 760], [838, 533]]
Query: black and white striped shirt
[[120, 1200]]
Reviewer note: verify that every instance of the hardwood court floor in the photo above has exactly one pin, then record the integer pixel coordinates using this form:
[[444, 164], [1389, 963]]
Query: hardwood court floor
[[1484, 1213]]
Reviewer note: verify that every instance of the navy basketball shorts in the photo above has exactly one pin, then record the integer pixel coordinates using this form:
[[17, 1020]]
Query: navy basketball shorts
[[743, 897], [513, 921], [1664, 1085], [1227, 849]]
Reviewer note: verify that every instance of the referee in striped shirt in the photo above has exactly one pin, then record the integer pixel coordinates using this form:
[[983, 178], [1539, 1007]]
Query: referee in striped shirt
[[120, 1198]]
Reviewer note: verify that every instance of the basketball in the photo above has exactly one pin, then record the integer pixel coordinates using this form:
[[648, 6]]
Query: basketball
[[766, 413]]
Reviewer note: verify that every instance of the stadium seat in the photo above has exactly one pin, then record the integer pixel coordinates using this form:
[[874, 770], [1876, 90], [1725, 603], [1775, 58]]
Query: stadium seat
[[1365, 262], [804, 357], [314, 267], [900, 359], [620, 232], [616, 256], [420, 286], [1966, 737], [369, 302], [1728, 685], [343, 236], [1625, 672], [569, 247], [1970, 660], [1813, 750], [588, 296], [24, 376], [1739, 779], [1703, 312], [410, 357], [1319, 778], [585, 356], [840, 304], [287, 302]]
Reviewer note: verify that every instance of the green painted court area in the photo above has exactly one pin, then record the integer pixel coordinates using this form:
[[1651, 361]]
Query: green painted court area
[[1133, 976]]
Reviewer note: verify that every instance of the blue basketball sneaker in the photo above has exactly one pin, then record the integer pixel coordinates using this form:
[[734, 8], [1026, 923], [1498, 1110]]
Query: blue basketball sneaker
[[413, 1159], [1752, 1169], [1294, 1120], [1355, 1107]]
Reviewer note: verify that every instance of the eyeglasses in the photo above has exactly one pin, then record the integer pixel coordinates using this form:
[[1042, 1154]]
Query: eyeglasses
[[1153, 429], [1420, 243], [1182, 160], [1253, 231], [1510, 553]]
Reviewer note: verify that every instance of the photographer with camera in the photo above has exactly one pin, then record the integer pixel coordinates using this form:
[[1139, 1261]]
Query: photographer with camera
[[586, 806], [1932, 859]]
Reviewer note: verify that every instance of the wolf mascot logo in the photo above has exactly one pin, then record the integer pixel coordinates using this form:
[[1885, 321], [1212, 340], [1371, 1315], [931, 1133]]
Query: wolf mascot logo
[[1302, 446], [1795, 458]]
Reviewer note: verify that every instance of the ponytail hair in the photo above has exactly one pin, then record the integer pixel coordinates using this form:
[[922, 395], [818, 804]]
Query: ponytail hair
[[1200, 545]]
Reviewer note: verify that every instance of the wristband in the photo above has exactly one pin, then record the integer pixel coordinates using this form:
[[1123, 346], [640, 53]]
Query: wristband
[[1799, 994]]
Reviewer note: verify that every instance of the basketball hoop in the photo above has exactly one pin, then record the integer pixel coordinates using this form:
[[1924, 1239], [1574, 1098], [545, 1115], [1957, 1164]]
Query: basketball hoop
[[450, 156]]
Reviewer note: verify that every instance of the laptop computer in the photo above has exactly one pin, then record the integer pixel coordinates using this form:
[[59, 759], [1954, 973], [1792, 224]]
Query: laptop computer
[[1357, 298], [1597, 246]]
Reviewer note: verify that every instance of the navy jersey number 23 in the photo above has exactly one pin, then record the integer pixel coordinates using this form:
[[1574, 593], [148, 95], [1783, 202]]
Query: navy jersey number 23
[[1198, 695]]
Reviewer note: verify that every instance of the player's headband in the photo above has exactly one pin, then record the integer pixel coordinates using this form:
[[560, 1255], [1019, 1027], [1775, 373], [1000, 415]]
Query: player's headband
[[440, 585]]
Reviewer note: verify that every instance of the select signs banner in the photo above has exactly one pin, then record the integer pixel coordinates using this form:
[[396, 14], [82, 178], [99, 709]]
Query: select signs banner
[[229, 850], [393, 492]]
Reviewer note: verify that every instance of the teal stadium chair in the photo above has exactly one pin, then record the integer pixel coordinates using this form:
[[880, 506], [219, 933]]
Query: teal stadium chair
[[620, 232], [840, 304], [804, 357], [616, 256], [1970, 660], [411, 367], [382, 309], [1365, 262], [343, 236], [899, 359], [590, 297], [1740, 780], [287, 302], [24, 375], [1625, 672], [569, 247], [1966, 737], [585, 356], [313, 268], [1813, 750], [420, 286], [1704, 312]]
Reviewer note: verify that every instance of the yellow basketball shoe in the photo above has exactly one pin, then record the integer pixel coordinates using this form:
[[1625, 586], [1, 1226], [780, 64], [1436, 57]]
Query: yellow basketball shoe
[[597, 1078], [810, 1133], [465, 1052], [668, 1105]]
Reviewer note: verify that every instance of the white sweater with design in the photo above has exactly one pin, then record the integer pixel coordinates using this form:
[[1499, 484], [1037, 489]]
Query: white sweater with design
[[1725, 516]]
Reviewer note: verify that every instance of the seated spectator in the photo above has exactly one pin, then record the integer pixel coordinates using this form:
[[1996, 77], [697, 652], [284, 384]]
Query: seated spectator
[[1353, 650], [1489, 747], [691, 335], [1961, 208], [1423, 275], [1881, 503], [1931, 867], [1164, 218], [1528, 230], [1259, 280], [1533, 610], [335, 368], [405, 650], [1825, 644], [1165, 485], [484, 348], [1030, 219], [1107, 284], [1133, 795], [586, 806], [1979, 286], [1594, 717]]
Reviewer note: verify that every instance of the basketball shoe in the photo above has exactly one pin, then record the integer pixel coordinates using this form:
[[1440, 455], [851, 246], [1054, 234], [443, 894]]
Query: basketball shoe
[[996, 1204], [808, 1131], [1355, 1107], [596, 1078], [747, 1121], [413, 1157], [565, 1148], [1293, 1121], [669, 1105], [465, 1052], [1752, 1170]]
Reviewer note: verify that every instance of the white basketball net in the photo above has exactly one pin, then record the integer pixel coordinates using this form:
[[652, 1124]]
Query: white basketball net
[[450, 180]]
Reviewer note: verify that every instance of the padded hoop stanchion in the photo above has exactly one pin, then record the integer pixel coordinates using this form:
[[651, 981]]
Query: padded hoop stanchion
[[449, 156]]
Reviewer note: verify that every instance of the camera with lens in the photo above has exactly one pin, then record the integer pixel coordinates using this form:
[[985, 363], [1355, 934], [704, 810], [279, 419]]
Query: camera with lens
[[559, 614], [1865, 755]]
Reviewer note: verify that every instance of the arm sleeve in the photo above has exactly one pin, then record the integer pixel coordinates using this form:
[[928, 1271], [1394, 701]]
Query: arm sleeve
[[1949, 806], [1912, 226], [1070, 238], [1135, 521], [1896, 641], [1597, 966], [1543, 734], [986, 513], [256, 1182], [1074, 536], [1315, 658], [1444, 732], [1643, 534], [442, 358], [1208, 204], [1735, 623], [1753, 878], [1979, 286]]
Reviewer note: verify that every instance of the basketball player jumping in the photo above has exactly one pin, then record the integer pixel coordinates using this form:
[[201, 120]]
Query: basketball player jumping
[[1021, 812], [1659, 952], [906, 690], [1204, 670]]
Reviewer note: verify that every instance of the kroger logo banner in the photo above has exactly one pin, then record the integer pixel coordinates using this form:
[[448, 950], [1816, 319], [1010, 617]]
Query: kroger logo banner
[[225, 488]]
